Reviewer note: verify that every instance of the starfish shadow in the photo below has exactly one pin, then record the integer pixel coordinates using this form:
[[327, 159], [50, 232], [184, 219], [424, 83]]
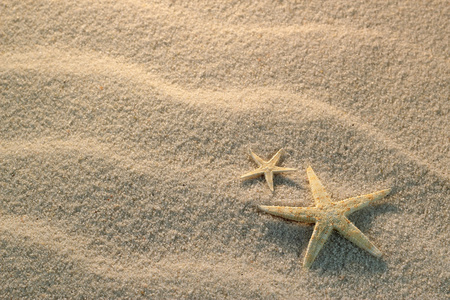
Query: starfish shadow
[[339, 254], [287, 181], [253, 181], [278, 180], [289, 235], [364, 218]]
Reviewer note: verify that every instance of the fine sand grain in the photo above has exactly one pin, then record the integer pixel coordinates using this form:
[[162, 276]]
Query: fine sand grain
[[125, 126]]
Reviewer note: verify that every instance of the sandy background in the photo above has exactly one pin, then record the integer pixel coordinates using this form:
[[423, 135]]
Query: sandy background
[[125, 125]]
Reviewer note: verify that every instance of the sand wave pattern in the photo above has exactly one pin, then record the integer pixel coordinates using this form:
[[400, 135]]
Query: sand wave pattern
[[240, 100], [140, 270]]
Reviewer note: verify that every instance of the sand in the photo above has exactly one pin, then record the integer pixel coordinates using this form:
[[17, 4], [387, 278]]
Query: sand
[[125, 126]]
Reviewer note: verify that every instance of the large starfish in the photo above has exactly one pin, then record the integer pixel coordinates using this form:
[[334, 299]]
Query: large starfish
[[328, 216], [268, 168]]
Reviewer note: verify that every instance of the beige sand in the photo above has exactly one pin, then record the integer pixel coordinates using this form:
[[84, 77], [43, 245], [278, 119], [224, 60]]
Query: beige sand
[[125, 125]]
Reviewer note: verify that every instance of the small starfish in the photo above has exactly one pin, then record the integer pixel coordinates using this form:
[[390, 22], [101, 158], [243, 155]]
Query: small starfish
[[328, 216], [268, 168]]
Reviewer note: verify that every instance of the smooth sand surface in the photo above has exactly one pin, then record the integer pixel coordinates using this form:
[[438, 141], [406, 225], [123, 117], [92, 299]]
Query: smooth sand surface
[[125, 126]]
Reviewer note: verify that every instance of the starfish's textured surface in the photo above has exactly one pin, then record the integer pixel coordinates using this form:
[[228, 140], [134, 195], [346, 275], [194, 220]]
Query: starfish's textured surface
[[328, 216], [267, 168]]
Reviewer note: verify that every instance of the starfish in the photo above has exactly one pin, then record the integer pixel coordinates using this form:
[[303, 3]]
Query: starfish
[[268, 168], [328, 216]]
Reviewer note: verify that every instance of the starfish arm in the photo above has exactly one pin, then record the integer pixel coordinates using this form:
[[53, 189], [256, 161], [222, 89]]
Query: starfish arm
[[353, 234], [257, 159], [274, 160], [322, 231], [318, 191], [353, 204], [299, 214], [252, 174], [283, 170], [269, 178]]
